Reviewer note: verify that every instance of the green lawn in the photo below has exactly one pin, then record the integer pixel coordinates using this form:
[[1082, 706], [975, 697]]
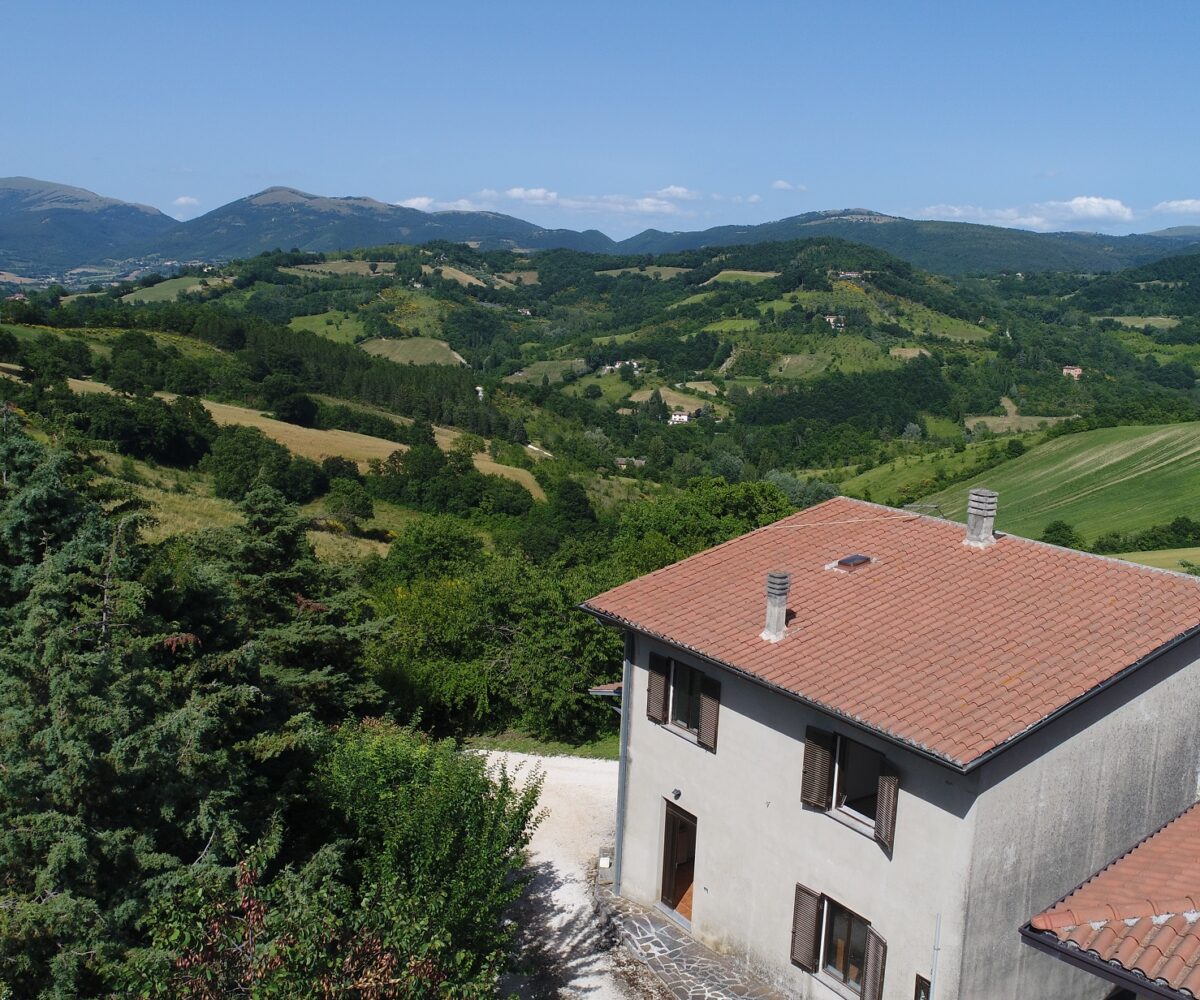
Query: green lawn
[[1117, 478], [333, 325]]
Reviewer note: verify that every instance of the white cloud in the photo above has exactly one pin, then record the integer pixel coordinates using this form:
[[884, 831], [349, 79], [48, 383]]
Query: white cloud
[[782, 185], [186, 201], [533, 196], [1092, 207], [1180, 206], [1042, 215], [754, 199], [746, 199], [677, 192], [460, 205], [423, 202]]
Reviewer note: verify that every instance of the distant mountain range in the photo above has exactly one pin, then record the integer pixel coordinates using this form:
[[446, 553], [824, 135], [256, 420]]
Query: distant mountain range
[[47, 229]]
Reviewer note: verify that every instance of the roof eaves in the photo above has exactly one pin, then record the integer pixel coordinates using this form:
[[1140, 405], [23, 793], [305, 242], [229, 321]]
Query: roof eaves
[[963, 767], [912, 745], [1051, 944]]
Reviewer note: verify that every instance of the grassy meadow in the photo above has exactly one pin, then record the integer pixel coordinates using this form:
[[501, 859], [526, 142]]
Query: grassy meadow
[[1116, 478], [339, 326], [413, 350]]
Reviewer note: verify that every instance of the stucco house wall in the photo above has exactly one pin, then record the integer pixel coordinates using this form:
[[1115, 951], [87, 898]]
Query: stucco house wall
[[1066, 801], [755, 840]]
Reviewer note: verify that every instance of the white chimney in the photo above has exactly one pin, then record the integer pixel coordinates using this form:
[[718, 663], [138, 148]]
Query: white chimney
[[981, 519], [778, 586]]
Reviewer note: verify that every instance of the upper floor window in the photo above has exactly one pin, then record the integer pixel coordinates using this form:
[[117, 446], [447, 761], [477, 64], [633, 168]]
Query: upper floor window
[[686, 697], [843, 775]]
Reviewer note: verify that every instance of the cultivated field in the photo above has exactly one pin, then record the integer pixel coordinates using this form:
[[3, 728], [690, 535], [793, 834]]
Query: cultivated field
[[844, 353], [318, 444], [334, 325], [1164, 558], [660, 273], [171, 289], [414, 350], [734, 275], [677, 400], [453, 274], [526, 277], [1157, 322], [553, 370], [340, 267], [415, 312], [1116, 478]]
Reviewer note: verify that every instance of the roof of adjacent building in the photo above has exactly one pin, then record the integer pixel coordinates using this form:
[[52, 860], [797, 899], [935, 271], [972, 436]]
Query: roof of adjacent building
[[1139, 913], [951, 649]]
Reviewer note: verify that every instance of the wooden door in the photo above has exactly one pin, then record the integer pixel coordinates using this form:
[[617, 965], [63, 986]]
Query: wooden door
[[679, 861]]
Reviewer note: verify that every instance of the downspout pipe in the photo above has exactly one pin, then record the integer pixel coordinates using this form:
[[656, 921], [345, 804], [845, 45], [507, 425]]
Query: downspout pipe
[[623, 757]]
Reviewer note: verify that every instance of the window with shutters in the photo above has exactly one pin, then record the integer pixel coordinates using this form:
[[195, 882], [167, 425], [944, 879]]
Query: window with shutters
[[852, 782], [838, 945], [844, 956], [856, 780], [687, 698]]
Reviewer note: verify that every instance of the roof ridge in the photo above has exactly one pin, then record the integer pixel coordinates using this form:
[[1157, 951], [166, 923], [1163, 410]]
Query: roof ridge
[[1109, 912]]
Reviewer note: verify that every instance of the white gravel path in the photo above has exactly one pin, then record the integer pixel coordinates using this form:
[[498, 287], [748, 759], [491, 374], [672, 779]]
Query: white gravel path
[[565, 951]]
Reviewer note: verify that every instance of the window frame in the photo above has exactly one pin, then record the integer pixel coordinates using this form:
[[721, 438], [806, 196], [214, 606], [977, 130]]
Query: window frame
[[828, 906], [838, 809], [696, 677]]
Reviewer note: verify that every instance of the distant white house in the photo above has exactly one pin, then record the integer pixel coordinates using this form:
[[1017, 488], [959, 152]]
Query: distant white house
[[479, 392], [523, 311], [1073, 371], [680, 418], [835, 321], [616, 366]]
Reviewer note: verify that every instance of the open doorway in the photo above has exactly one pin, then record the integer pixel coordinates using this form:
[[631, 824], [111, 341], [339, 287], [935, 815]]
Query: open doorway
[[679, 861]]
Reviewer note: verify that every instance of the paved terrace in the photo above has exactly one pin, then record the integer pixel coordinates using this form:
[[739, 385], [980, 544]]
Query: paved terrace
[[687, 969]]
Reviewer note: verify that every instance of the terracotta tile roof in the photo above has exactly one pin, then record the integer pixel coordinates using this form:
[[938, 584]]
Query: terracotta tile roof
[[1141, 912], [952, 649]]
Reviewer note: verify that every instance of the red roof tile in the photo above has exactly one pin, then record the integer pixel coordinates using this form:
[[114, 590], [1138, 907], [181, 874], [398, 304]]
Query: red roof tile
[[1142, 912], [955, 650]]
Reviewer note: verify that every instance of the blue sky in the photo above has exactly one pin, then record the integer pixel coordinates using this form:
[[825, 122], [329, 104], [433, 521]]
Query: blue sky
[[621, 116]]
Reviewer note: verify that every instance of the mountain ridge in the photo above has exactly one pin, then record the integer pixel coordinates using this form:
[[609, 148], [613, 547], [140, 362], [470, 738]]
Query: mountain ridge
[[48, 228]]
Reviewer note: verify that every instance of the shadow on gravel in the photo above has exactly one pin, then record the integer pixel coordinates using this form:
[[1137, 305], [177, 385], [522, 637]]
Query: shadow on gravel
[[561, 946]]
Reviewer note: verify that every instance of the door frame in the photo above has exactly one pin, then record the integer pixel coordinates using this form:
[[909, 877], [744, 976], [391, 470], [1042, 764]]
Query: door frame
[[673, 818]]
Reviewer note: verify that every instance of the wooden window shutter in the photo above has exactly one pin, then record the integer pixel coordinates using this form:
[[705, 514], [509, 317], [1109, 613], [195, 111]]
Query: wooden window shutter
[[816, 785], [658, 691], [885, 811], [874, 966], [806, 928], [710, 708]]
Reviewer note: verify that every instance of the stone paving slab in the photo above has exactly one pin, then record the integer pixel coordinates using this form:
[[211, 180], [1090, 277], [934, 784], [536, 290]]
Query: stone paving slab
[[686, 968]]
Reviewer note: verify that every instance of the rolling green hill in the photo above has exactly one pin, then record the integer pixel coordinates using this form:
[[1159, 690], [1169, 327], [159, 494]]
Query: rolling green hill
[[1126, 478]]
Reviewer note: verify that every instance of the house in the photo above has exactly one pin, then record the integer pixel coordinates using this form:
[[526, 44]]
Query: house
[[1073, 371], [836, 322], [937, 733], [1136, 923], [679, 418], [629, 463]]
